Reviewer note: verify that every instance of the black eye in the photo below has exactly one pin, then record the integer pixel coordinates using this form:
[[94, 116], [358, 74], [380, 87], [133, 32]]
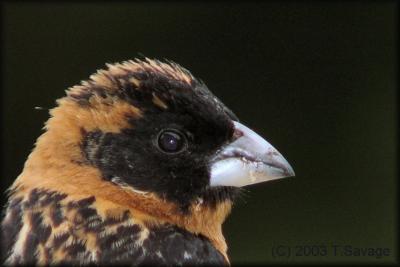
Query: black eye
[[171, 141]]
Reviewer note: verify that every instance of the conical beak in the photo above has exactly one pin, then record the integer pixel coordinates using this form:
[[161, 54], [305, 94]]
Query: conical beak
[[249, 159]]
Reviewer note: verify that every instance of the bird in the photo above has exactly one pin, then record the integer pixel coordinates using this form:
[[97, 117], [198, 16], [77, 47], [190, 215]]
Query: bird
[[140, 164]]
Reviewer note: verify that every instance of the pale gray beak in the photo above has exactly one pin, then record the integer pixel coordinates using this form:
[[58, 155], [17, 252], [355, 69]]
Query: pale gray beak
[[249, 159]]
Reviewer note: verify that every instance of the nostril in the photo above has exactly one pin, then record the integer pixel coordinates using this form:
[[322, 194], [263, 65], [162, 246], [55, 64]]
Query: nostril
[[237, 134]]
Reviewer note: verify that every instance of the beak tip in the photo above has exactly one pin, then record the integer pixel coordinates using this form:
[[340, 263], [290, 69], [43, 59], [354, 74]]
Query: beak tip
[[290, 172]]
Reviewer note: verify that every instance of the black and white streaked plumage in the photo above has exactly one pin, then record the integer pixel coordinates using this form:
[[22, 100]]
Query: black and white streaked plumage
[[138, 165]]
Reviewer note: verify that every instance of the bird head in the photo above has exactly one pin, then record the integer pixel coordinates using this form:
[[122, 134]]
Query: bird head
[[149, 136]]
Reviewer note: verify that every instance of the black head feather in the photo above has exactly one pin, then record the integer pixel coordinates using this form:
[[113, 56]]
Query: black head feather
[[169, 98]]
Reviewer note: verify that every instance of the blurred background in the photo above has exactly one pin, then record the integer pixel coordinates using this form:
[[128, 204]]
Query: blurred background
[[316, 79]]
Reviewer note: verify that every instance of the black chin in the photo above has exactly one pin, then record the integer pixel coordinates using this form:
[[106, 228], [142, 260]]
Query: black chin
[[215, 195], [211, 197]]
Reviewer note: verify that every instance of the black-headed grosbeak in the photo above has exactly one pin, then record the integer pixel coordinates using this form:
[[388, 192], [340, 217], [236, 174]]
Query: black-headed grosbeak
[[138, 165]]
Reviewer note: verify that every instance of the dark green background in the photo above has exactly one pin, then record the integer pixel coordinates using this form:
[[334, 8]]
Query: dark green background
[[316, 79]]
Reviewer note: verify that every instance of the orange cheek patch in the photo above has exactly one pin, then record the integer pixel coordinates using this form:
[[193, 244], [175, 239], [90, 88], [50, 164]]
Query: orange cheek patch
[[60, 145]]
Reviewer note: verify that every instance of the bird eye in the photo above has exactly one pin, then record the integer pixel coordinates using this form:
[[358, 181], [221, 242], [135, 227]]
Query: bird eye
[[171, 141]]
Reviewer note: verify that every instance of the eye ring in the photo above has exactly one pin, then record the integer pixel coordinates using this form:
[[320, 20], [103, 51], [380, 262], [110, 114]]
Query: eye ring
[[171, 141]]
